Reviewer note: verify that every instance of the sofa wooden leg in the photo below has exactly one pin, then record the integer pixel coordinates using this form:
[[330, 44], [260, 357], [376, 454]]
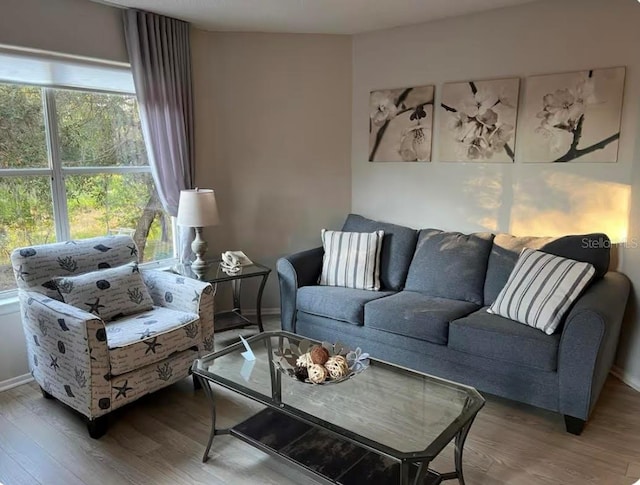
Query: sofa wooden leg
[[45, 394], [97, 427], [574, 425]]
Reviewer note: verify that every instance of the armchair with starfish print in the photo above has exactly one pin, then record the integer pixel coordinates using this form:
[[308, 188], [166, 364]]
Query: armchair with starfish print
[[100, 332]]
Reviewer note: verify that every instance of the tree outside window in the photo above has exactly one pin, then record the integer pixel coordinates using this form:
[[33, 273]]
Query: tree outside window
[[73, 165]]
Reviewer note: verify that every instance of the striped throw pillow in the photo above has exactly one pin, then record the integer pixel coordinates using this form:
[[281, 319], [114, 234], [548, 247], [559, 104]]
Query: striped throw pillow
[[351, 259], [541, 288]]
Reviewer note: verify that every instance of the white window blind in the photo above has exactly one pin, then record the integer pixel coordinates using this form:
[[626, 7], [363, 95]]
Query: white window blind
[[65, 73]]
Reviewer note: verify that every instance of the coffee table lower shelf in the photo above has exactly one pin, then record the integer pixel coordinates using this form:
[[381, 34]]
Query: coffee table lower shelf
[[323, 455]]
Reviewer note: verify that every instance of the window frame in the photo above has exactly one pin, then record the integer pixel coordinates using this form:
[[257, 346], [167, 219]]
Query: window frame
[[57, 173]]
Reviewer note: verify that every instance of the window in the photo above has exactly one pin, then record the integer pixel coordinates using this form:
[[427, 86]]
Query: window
[[73, 165]]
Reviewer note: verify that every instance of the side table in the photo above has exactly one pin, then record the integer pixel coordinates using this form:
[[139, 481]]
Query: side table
[[215, 274]]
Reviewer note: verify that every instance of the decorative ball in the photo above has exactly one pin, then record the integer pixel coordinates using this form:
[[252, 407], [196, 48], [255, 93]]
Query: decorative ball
[[319, 355], [301, 372], [337, 366], [317, 373], [304, 360]]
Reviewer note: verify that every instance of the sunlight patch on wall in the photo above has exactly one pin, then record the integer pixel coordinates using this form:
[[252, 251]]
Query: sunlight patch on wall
[[485, 200], [571, 204]]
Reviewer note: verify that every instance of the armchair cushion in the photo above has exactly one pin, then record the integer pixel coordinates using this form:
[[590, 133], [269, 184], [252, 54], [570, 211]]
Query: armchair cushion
[[107, 293], [149, 337]]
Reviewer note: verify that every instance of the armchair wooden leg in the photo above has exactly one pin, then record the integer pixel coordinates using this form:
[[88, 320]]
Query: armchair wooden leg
[[45, 394], [574, 425], [97, 427]]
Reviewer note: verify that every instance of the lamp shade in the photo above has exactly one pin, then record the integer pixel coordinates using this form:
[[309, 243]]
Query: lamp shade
[[197, 208]]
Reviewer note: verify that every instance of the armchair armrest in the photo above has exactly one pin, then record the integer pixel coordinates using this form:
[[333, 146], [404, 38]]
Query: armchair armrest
[[588, 344], [178, 292], [68, 352], [294, 271]]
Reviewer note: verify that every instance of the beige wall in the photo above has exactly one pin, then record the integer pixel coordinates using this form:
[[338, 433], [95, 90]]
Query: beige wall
[[273, 138], [524, 199], [77, 27]]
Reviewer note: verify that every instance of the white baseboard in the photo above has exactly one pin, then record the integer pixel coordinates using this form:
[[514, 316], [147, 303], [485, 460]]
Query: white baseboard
[[630, 381], [15, 382]]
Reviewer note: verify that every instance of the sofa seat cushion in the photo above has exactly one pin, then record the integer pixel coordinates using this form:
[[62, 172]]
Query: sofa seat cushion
[[345, 304], [499, 338], [416, 315], [149, 337]]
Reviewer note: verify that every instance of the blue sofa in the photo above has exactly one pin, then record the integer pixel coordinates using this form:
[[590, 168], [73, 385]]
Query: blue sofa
[[430, 314]]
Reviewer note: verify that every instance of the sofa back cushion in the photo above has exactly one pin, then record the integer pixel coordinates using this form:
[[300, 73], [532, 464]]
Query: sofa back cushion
[[450, 265], [398, 245], [587, 248]]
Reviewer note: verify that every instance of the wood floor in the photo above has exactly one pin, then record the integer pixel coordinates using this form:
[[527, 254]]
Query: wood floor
[[160, 440]]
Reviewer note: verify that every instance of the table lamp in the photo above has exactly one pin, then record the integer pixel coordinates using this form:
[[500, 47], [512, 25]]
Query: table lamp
[[197, 208]]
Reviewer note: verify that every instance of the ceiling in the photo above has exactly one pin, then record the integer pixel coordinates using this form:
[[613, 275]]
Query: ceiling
[[310, 16]]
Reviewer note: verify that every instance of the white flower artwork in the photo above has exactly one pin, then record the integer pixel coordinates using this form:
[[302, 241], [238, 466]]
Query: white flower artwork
[[400, 124], [478, 121], [573, 116]]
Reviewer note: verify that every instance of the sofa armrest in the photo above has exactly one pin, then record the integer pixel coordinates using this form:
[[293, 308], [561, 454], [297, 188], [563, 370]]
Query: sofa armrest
[[294, 271], [177, 292], [68, 352], [588, 344]]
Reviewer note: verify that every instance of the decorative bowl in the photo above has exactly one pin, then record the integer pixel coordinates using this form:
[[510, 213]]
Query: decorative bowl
[[289, 353]]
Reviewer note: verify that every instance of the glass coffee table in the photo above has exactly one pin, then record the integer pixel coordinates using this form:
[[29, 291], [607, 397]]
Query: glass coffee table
[[383, 425]]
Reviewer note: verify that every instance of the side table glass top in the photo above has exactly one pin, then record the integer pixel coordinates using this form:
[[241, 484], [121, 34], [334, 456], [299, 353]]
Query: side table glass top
[[216, 274], [398, 411]]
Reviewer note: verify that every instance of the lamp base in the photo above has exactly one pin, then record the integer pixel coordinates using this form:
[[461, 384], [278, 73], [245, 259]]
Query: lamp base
[[199, 247]]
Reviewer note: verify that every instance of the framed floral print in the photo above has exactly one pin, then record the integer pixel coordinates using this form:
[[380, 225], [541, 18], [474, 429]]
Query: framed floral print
[[401, 124], [573, 117], [478, 121]]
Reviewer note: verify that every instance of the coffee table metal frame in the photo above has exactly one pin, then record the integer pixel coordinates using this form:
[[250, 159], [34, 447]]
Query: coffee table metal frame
[[457, 431]]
